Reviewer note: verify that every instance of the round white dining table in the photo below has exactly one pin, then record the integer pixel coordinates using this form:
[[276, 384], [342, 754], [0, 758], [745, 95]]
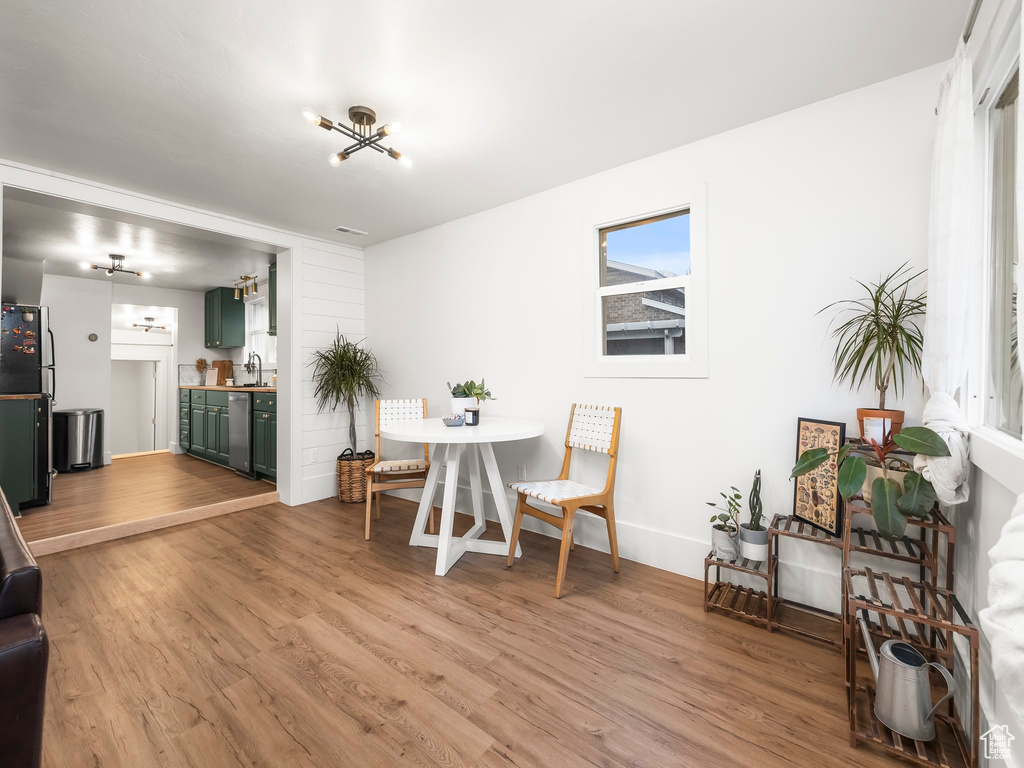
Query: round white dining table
[[450, 445]]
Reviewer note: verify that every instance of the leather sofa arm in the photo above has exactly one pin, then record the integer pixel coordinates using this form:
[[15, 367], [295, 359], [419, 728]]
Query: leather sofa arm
[[24, 654]]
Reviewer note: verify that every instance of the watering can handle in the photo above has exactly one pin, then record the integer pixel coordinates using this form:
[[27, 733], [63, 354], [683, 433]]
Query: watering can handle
[[949, 687]]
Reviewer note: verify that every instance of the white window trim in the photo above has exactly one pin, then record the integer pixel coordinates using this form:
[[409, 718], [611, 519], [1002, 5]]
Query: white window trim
[[694, 364], [262, 297]]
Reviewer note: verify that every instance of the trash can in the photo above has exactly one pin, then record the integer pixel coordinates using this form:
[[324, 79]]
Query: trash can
[[77, 439]]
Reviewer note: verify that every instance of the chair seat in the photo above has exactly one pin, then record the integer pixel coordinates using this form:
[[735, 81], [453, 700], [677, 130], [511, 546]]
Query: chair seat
[[555, 491], [398, 465]]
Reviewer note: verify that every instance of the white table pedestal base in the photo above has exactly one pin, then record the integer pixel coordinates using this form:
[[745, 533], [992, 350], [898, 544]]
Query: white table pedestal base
[[450, 549]]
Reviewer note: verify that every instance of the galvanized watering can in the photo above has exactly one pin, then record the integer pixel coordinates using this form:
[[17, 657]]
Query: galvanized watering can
[[903, 699]]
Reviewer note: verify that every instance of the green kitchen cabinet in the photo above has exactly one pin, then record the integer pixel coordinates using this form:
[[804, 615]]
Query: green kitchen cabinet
[[264, 444], [272, 301], [18, 450], [225, 319], [217, 433], [197, 431]]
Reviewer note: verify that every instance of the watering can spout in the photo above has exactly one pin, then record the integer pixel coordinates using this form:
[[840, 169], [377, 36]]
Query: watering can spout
[[869, 646]]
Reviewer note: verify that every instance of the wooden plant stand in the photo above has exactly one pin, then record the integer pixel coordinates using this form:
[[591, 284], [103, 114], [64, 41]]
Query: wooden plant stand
[[927, 617], [735, 600]]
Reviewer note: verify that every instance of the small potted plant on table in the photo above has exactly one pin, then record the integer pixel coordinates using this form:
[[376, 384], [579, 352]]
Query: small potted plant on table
[[725, 531], [468, 395], [344, 373], [880, 339], [753, 535]]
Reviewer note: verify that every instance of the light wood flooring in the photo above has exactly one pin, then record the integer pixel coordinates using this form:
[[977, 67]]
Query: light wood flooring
[[277, 637], [136, 494]]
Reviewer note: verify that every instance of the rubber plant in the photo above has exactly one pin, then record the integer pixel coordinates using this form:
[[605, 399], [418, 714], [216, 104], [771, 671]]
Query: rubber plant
[[344, 372], [891, 506]]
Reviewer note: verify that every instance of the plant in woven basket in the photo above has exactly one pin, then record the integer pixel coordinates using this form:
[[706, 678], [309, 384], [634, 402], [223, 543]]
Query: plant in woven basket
[[344, 372]]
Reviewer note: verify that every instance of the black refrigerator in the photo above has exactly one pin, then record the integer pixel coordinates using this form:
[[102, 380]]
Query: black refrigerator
[[27, 368]]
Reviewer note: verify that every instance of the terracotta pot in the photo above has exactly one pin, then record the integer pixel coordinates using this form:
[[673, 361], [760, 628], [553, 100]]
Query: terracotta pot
[[894, 417]]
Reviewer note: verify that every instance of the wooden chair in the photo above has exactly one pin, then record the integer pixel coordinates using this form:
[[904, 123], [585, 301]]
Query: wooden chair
[[398, 473], [591, 428]]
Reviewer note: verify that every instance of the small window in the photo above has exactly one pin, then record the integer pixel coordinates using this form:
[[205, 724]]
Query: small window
[[645, 302], [257, 321], [1005, 403], [642, 262]]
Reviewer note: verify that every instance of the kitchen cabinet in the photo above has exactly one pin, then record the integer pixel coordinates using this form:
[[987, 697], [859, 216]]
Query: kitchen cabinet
[[225, 319], [18, 450], [264, 435], [272, 301], [197, 430], [217, 433], [206, 432]]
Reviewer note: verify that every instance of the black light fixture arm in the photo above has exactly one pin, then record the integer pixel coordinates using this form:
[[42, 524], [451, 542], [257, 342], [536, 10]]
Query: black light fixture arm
[[361, 132]]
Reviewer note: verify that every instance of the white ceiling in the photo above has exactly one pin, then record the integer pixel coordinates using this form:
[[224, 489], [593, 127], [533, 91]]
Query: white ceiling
[[198, 101], [62, 235]]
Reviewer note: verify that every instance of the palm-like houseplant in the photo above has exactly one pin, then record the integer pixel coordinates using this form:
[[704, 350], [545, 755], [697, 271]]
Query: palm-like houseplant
[[879, 339], [345, 372]]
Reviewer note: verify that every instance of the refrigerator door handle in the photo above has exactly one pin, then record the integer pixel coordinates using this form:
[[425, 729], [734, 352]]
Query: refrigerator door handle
[[53, 383]]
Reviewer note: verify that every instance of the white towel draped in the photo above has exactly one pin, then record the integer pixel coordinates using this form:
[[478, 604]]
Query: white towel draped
[[948, 474], [1003, 620]]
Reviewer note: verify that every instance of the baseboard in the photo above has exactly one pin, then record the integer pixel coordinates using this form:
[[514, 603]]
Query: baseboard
[[134, 527], [138, 453]]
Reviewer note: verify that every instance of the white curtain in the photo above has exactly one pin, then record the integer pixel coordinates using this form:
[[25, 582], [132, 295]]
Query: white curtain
[[951, 272], [1003, 620]]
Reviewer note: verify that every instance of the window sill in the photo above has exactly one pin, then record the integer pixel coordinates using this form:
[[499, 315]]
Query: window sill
[[1000, 456]]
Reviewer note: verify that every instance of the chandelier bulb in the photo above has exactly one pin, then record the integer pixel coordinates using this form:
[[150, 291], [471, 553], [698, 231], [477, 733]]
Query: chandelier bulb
[[237, 294], [405, 161], [310, 116], [255, 286], [337, 159]]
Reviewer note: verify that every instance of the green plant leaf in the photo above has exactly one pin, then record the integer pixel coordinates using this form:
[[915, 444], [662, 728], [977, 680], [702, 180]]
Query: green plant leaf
[[918, 496], [851, 476], [885, 496], [841, 456], [921, 440], [810, 460]]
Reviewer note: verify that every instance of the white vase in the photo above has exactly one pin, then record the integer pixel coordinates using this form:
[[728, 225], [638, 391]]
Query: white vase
[[876, 472], [460, 404]]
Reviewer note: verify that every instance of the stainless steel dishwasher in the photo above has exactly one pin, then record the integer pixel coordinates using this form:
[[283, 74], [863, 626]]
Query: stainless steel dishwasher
[[240, 433]]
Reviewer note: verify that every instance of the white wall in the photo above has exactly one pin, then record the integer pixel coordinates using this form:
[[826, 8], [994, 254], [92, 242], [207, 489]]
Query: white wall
[[798, 206], [133, 406], [79, 307], [332, 300]]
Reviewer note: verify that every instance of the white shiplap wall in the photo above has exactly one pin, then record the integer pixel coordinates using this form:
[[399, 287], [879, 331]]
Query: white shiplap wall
[[331, 300]]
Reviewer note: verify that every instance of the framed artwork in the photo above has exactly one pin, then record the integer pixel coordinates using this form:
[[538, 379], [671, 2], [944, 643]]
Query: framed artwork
[[816, 498]]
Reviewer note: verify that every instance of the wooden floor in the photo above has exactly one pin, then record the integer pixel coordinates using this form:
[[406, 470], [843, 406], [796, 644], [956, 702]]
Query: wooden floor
[[136, 494], [278, 637]]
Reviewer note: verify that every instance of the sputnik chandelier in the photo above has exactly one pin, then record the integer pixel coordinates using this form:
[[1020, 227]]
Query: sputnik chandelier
[[148, 325], [361, 132], [116, 265]]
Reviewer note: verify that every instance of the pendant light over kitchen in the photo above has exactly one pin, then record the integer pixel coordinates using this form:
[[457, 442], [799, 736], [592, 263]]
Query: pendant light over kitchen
[[245, 285]]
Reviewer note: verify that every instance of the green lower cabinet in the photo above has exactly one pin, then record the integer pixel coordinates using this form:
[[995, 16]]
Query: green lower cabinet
[[262, 442], [272, 457], [18, 450], [197, 431]]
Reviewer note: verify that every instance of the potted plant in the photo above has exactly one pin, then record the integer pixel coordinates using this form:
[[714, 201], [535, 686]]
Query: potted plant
[[880, 339], [724, 532], [343, 373], [753, 535], [891, 503], [468, 395]]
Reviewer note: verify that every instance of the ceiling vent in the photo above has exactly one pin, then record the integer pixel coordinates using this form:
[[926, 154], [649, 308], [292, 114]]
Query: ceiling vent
[[350, 231]]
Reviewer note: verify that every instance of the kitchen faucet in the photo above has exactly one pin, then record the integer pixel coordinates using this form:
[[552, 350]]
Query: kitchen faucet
[[259, 367]]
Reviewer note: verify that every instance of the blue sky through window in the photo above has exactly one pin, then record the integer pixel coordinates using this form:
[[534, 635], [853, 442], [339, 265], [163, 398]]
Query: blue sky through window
[[662, 245]]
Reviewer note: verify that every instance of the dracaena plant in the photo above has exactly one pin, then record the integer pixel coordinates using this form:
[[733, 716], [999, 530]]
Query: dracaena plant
[[728, 518], [471, 389], [344, 372], [891, 506], [878, 338]]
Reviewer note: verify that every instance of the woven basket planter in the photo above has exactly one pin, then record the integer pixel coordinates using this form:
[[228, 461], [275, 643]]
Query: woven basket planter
[[352, 475]]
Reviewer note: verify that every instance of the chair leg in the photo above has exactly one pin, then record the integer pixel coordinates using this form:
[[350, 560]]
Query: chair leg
[[369, 506], [613, 542], [376, 509], [572, 543], [563, 554], [430, 520], [516, 525]]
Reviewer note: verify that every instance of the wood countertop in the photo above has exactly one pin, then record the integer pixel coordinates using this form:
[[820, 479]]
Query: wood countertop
[[230, 389], [20, 397]]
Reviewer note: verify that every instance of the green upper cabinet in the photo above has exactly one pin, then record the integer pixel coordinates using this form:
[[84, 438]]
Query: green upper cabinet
[[272, 301], [225, 319]]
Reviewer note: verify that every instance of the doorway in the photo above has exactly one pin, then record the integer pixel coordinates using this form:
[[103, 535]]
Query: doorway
[[133, 407]]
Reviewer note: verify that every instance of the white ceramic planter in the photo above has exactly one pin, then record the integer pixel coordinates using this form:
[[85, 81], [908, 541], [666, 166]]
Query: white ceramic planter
[[724, 546], [876, 472], [753, 544], [460, 404]]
